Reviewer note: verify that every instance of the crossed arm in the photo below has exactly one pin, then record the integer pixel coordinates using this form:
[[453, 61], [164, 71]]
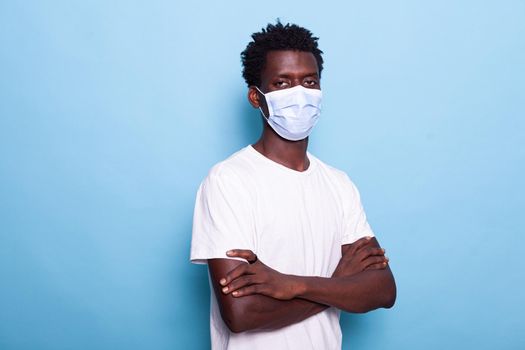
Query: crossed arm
[[256, 297]]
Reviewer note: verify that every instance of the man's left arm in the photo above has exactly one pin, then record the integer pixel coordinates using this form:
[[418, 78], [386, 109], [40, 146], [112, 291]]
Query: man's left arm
[[359, 292]]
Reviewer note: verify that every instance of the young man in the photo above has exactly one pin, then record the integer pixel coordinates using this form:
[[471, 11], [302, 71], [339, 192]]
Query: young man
[[284, 235]]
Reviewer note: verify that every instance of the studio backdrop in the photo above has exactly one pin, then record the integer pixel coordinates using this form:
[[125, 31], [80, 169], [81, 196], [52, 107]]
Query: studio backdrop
[[112, 113]]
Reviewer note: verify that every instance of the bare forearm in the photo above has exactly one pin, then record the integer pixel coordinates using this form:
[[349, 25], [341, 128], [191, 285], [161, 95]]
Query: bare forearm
[[361, 282], [359, 293], [259, 312], [256, 312]]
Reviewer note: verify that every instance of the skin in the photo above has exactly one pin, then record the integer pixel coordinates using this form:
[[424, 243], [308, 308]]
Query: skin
[[253, 296]]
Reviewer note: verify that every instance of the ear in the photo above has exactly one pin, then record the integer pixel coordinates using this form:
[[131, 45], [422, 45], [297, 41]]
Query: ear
[[257, 99], [254, 97]]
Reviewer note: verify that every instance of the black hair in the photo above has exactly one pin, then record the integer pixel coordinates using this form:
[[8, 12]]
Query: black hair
[[276, 37]]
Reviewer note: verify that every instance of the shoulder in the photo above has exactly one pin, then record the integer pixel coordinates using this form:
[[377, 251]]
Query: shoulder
[[233, 172], [336, 174], [236, 165]]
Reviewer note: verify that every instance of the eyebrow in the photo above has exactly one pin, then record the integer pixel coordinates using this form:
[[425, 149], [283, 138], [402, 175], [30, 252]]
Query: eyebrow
[[287, 75]]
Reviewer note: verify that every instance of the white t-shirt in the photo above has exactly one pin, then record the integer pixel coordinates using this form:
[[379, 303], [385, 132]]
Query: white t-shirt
[[294, 221]]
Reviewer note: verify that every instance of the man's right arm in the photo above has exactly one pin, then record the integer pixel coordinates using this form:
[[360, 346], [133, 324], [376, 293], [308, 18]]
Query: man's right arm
[[256, 312]]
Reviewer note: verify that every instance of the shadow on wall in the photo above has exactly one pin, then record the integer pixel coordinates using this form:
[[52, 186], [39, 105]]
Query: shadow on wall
[[352, 325], [360, 330], [245, 130], [248, 122]]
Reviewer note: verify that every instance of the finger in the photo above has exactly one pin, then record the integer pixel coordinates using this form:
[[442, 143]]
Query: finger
[[373, 260], [379, 266], [238, 283], [242, 253], [249, 290], [360, 243], [237, 272], [370, 251]]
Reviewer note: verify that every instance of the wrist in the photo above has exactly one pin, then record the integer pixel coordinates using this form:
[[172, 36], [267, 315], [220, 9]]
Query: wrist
[[299, 286]]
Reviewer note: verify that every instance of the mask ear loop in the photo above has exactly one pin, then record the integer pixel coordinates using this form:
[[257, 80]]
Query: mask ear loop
[[262, 93]]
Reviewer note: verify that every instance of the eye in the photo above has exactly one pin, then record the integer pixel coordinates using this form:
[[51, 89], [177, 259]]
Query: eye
[[282, 84], [310, 83]]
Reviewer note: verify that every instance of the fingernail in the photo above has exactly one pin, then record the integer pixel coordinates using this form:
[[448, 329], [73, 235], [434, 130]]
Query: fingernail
[[225, 290], [229, 252], [222, 281], [368, 238], [383, 249], [235, 293]]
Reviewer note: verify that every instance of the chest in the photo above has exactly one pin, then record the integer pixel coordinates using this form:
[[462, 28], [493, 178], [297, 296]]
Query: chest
[[299, 226]]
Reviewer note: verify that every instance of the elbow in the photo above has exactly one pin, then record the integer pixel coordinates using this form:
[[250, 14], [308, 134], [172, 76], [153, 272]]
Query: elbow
[[234, 328], [381, 293], [233, 322], [390, 300], [235, 318], [389, 295], [384, 296], [234, 325]]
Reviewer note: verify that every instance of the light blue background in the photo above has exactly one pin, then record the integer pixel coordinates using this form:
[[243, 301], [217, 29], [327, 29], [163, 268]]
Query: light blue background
[[112, 112]]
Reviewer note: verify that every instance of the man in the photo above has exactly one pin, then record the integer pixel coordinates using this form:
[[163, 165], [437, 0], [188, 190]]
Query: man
[[284, 235]]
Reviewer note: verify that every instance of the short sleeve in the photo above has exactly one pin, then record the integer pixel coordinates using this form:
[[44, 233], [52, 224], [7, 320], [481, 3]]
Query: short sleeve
[[355, 224], [222, 218]]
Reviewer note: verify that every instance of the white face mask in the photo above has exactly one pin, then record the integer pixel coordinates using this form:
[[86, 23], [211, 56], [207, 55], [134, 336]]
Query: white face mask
[[293, 112]]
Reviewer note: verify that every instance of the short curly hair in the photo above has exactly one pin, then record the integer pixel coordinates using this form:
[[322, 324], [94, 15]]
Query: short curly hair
[[276, 37]]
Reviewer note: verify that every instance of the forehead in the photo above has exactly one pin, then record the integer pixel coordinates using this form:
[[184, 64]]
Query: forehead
[[289, 62]]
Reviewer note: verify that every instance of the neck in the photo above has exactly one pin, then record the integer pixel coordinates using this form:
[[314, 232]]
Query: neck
[[291, 154]]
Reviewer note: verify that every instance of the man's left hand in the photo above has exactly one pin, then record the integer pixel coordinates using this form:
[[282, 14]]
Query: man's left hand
[[256, 278]]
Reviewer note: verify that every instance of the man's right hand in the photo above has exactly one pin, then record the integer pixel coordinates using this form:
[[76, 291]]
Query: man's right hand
[[359, 256]]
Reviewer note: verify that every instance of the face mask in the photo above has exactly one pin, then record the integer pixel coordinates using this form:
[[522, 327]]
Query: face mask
[[293, 112]]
